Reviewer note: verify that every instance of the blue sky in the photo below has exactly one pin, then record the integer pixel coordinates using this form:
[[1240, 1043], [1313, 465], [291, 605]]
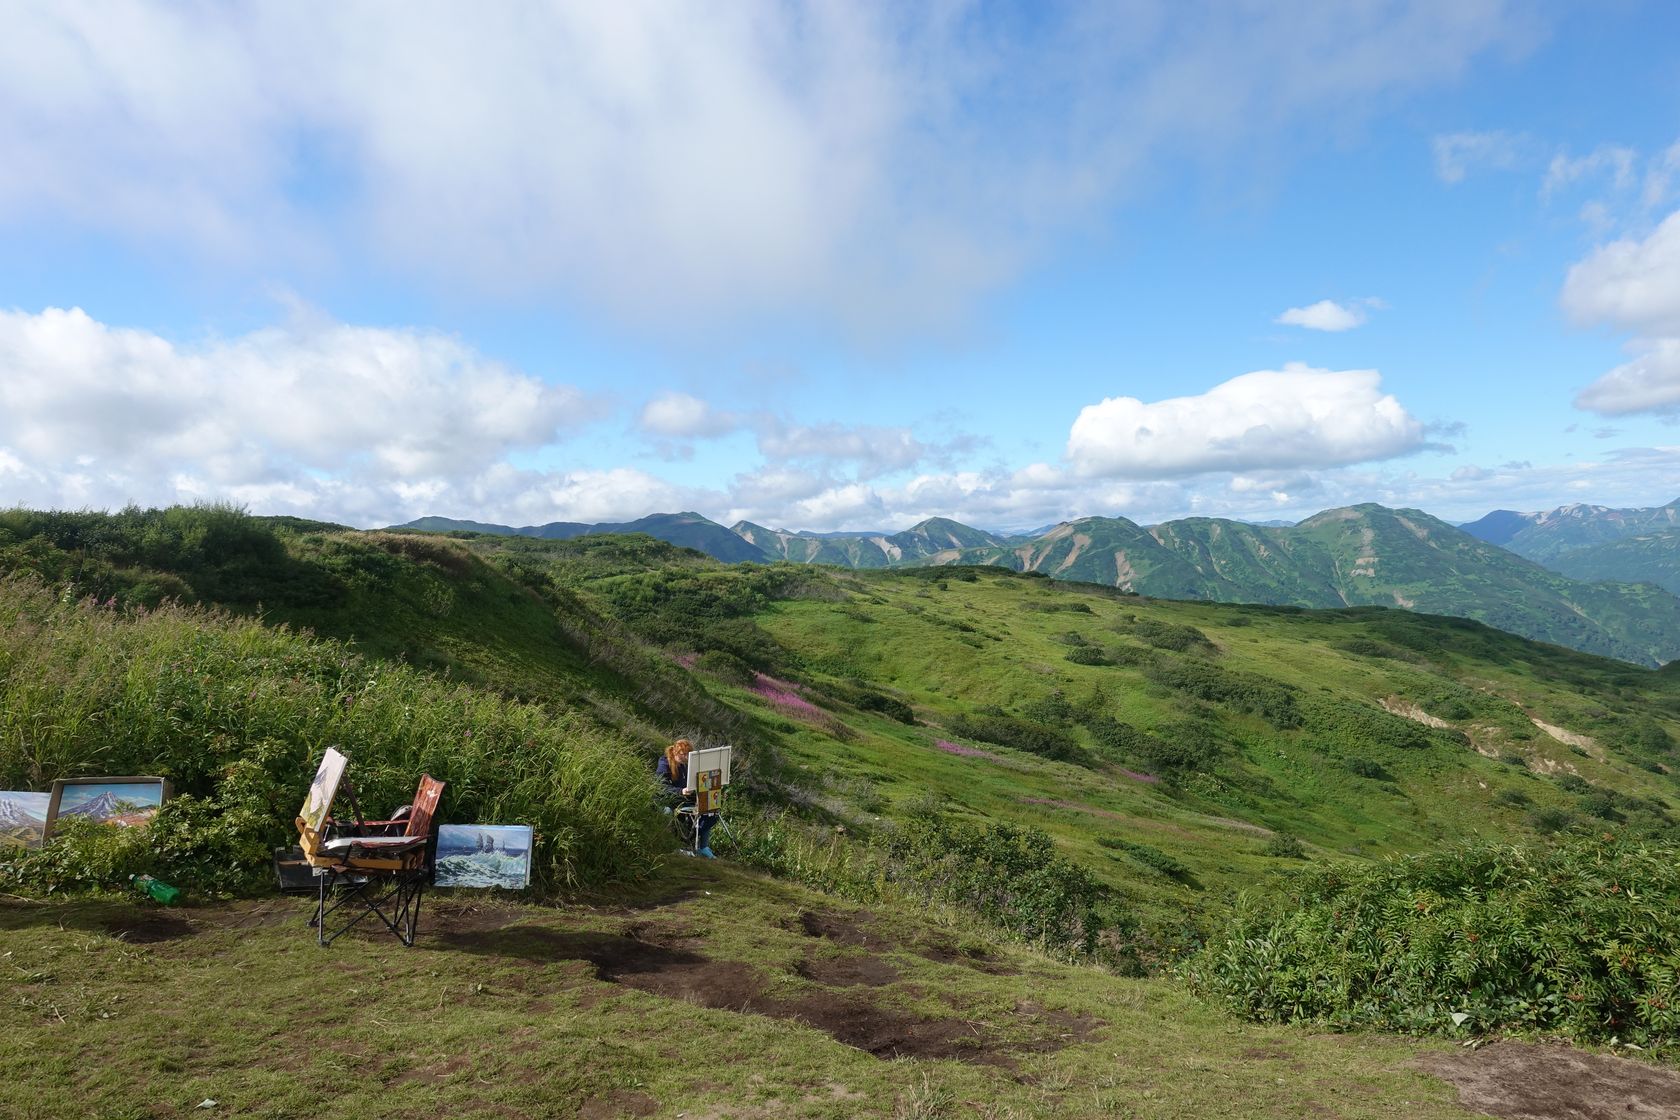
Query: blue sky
[[840, 266]]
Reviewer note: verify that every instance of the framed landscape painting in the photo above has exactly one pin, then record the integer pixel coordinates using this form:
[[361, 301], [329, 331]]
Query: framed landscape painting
[[129, 802], [23, 817], [484, 855]]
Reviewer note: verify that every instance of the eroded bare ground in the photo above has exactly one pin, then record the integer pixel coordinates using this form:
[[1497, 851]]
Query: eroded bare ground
[[663, 958], [1520, 1081]]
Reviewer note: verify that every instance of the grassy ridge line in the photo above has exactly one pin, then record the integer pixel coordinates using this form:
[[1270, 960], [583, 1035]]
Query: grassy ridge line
[[236, 714]]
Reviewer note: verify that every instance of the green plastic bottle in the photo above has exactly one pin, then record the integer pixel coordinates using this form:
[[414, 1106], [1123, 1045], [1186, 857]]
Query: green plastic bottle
[[155, 889]]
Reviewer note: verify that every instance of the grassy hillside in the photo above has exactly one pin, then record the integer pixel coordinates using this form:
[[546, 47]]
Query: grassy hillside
[[1171, 748], [1096, 775], [1361, 555], [1652, 557], [799, 1005]]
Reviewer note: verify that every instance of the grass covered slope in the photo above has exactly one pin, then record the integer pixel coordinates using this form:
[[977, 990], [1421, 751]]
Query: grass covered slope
[[801, 1006], [1176, 750], [236, 714]]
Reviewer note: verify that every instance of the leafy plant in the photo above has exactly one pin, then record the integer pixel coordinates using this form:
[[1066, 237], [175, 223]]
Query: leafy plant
[[1581, 939]]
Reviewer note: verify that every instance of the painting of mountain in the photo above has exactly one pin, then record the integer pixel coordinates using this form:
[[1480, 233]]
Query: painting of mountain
[[484, 855], [23, 817], [125, 802]]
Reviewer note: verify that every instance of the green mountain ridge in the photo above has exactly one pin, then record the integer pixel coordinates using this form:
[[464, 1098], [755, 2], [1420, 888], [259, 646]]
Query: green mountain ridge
[[687, 529], [1359, 555]]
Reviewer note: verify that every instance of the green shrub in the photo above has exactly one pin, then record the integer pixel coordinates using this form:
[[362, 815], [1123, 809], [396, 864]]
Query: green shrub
[[992, 725], [1580, 939], [1515, 798], [1189, 745], [1153, 858], [1366, 768], [1282, 845], [1549, 821], [1088, 655], [1271, 701], [1169, 635], [236, 716], [1011, 877]]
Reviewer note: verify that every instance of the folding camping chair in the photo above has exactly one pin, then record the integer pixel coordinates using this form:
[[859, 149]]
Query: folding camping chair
[[378, 868]]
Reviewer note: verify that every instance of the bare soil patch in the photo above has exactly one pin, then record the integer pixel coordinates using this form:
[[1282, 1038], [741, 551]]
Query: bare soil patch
[[644, 958], [847, 971], [857, 931], [149, 928], [840, 928], [618, 1104], [1520, 1081]]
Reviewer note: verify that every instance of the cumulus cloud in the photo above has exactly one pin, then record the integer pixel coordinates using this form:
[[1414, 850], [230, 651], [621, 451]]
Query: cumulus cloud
[[1271, 419], [1328, 315], [1648, 383], [872, 163], [681, 416], [293, 417], [1633, 284], [1630, 283]]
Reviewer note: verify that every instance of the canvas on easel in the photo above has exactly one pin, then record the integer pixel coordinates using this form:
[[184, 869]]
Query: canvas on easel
[[708, 774]]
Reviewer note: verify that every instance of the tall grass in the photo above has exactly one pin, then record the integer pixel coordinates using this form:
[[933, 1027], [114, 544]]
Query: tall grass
[[237, 715], [1581, 939]]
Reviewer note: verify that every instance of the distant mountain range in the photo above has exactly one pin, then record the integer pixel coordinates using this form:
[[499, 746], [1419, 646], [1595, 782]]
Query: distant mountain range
[[1365, 555], [1593, 542], [690, 530]]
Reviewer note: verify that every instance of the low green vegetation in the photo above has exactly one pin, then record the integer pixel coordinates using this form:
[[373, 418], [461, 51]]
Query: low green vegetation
[[911, 741], [236, 714], [1581, 939]]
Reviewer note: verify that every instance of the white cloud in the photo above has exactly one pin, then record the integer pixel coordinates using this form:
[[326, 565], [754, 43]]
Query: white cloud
[[1632, 284], [1328, 315], [878, 165], [1458, 153], [681, 416], [1611, 160], [1296, 417], [296, 417], [1648, 383], [876, 450]]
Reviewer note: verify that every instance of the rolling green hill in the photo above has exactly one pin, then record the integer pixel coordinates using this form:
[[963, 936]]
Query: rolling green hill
[[1361, 555], [688, 530], [959, 779], [1652, 557]]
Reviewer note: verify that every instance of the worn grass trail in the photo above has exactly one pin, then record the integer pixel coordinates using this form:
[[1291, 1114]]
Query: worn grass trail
[[717, 994]]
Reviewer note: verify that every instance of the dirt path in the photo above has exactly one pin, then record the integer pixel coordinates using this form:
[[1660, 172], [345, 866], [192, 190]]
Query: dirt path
[[1518, 1081]]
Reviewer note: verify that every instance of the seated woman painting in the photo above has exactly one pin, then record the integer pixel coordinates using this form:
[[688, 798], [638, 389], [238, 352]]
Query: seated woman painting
[[673, 768]]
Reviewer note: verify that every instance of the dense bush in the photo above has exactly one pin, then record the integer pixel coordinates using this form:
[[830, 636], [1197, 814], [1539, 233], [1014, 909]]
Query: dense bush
[[1582, 939], [1367, 768], [1168, 635], [1088, 655], [1011, 877], [236, 716], [1282, 845], [1153, 858], [1188, 745], [1348, 725], [992, 725], [1271, 701]]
